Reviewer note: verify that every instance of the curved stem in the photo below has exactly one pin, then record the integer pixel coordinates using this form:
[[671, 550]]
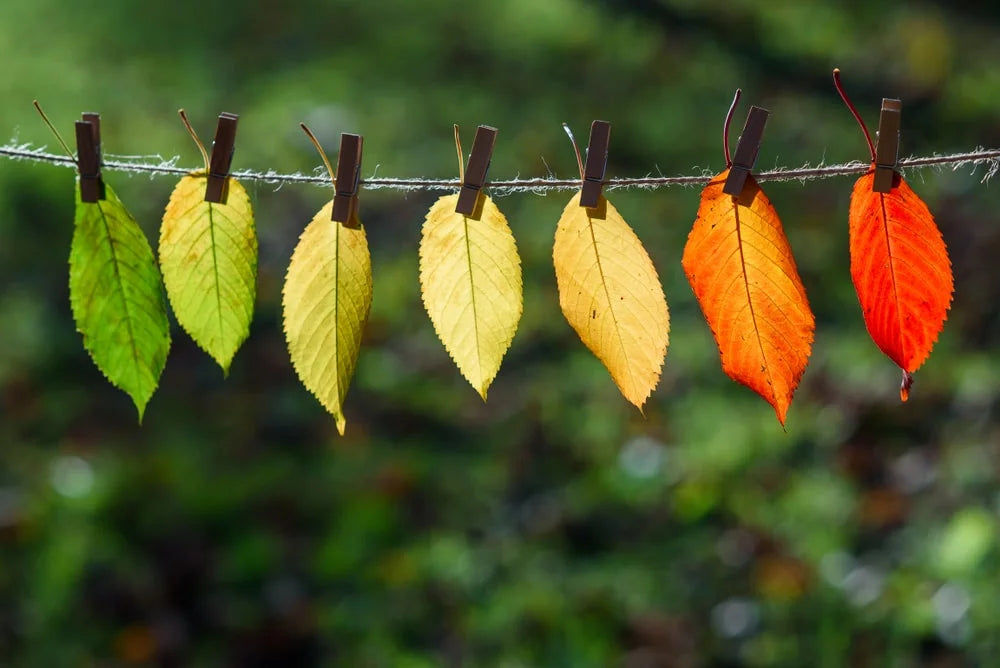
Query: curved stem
[[194, 136], [572, 139], [461, 160], [322, 154], [725, 127], [45, 118], [857, 116]]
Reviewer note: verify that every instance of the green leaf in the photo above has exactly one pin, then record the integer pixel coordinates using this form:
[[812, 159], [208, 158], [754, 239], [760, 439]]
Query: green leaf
[[208, 254], [117, 297]]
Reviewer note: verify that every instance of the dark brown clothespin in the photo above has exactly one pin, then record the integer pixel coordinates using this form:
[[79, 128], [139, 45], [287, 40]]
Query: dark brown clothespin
[[596, 165], [887, 148], [475, 173], [88, 151], [746, 151], [345, 199], [223, 147]]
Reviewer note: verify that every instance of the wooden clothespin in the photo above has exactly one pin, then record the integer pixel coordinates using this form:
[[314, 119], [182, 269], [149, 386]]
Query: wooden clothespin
[[887, 148], [345, 199], [223, 147], [596, 165], [746, 151], [88, 151], [475, 173]]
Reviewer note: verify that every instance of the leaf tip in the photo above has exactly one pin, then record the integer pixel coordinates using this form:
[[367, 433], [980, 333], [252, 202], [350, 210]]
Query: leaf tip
[[223, 358], [341, 423], [140, 407], [634, 397], [781, 411]]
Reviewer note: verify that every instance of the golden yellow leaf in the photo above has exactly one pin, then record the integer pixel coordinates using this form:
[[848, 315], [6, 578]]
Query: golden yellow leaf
[[208, 255], [470, 280], [326, 300], [611, 295]]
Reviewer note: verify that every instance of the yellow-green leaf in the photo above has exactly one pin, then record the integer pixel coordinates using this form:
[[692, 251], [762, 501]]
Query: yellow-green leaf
[[470, 280], [117, 297], [208, 255], [326, 300], [611, 295]]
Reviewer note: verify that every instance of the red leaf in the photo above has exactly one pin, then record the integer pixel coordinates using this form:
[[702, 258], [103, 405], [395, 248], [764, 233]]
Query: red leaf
[[901, 271]]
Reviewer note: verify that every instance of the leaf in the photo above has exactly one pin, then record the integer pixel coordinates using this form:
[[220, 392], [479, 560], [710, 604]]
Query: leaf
[[470, 280], [117, 297], [900, 269], [208, 255], [611, 295], [741, 269], [326, 301]]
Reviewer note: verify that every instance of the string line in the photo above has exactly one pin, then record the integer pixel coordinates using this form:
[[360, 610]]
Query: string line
[[158, 166]]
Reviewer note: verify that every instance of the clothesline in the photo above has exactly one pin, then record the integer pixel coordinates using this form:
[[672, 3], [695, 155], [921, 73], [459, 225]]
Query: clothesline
[[158, 166]]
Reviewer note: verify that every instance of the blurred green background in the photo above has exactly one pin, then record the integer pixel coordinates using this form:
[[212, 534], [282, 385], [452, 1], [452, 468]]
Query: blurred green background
[[553, 526]]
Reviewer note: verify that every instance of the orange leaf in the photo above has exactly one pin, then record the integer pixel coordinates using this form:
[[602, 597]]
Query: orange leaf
[[740, 267], [901, 271]]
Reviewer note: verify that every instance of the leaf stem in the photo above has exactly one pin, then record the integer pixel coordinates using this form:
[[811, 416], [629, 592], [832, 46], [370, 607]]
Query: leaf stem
[[461, 160], [725, 127], [572, 139], [45, 118], [905, 385], [194, 136], [326, 161], [850, 105]]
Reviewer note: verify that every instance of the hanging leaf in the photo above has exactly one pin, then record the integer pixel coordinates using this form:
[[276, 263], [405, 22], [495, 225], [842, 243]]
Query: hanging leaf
[[117, 297], [611, 295], [741, 269], [326, 300], [901, 271], [899, 262], [470, 280], [208, 255]]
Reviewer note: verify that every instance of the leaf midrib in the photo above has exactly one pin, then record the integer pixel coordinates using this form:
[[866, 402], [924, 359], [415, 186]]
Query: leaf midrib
[[746, 286], [336, 312], [120, 286], [472, 290], [611, 306], [892, 274], [215, 272]]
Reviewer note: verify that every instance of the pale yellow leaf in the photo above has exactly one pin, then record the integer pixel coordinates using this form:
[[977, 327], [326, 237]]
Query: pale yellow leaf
[[208, 255], [470, 280], [611, 295], [326, 301]]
